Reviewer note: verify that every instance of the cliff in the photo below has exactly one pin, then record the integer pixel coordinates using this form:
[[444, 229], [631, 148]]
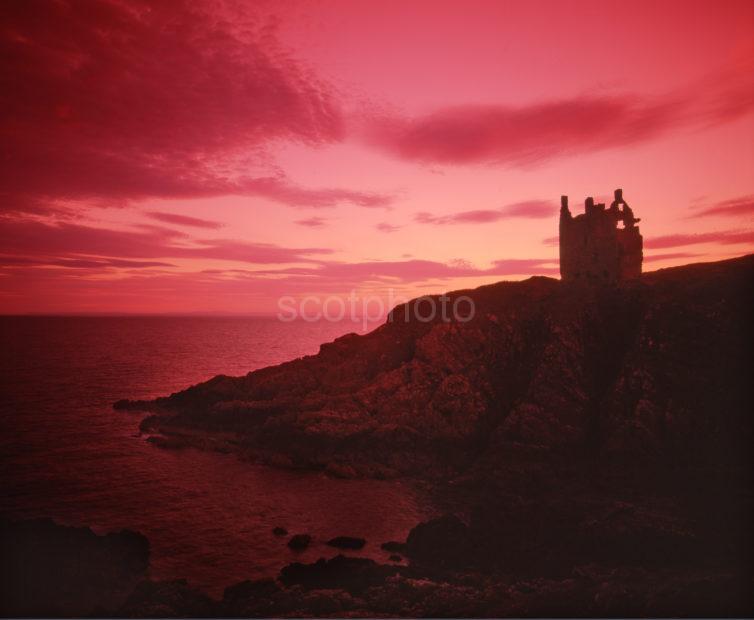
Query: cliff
[[652, 369], [591, 446]]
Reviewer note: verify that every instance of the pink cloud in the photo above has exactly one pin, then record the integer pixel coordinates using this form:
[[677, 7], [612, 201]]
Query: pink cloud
[[412, 270], [522, 135], [312, 222], [734, 207], [65, 240], [122, 101], [530, 209], [280, 189], [81, 263], [728, 237], [534, 209], [183, 220], [530, 134], [385, 227]]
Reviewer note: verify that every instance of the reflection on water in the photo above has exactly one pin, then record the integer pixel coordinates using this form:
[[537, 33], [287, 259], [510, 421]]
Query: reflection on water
[[66, 454]]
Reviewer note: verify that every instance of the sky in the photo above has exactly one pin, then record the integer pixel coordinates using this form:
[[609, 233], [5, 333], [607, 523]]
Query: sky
[[217, 156]]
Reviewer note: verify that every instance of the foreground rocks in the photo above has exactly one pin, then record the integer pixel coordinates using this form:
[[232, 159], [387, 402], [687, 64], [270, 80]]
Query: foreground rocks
[[347, 542], [455, 570], [299, 542], [53, 570], [515, 564], [340, 572]]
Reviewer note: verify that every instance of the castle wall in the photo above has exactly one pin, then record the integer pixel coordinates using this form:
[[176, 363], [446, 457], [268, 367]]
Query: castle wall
[[593, 249], [631, 242]]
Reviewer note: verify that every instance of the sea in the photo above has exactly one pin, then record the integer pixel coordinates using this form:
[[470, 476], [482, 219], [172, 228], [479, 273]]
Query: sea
[[65, 454]]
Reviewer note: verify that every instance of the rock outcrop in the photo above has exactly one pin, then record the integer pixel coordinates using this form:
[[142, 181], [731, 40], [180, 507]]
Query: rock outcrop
[[653, 368], [347, 542], [53, 570], [590, 445]]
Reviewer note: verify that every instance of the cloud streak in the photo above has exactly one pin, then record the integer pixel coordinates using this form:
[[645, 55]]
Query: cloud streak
[[280, 189], [726, 237], [531, 209], [412, 270], [735, 207], [81, 263], [67, 241], [386, 227], [521, 135], [531, 134], [312, 222], [184, 220]]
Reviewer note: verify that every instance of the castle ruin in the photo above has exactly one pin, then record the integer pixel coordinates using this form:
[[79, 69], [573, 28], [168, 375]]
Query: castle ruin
[[593, 248]]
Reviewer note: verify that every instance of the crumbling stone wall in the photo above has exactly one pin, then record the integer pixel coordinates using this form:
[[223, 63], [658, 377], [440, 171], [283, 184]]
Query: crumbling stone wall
[[593, 248]]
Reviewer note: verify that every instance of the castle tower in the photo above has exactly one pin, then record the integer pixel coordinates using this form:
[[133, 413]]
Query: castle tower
[[594, 248]]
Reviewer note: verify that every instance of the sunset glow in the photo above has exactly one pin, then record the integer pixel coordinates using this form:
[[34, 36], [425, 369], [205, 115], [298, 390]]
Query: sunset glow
[[212, 158]]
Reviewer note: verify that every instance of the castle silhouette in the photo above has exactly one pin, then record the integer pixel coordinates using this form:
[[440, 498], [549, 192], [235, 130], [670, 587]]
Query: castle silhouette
[[593, 248]]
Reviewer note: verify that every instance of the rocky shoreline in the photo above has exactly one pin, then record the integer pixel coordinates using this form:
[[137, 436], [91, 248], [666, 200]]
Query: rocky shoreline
[[644, 370], [591, 449], [623, 560], [594, 445]]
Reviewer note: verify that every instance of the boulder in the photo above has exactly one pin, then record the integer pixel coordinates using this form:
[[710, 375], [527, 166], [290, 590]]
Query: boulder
[[444, 541], [393, 545], [340, 572], [298, 542], [346, 542]]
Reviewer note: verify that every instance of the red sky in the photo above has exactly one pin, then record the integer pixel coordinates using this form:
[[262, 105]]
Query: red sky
[[212, 157]]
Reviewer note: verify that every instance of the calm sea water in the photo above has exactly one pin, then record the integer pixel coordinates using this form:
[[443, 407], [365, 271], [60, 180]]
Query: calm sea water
[[65, 454]]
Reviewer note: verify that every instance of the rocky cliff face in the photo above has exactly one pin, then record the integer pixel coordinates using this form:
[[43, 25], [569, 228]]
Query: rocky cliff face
[[652, 368]]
